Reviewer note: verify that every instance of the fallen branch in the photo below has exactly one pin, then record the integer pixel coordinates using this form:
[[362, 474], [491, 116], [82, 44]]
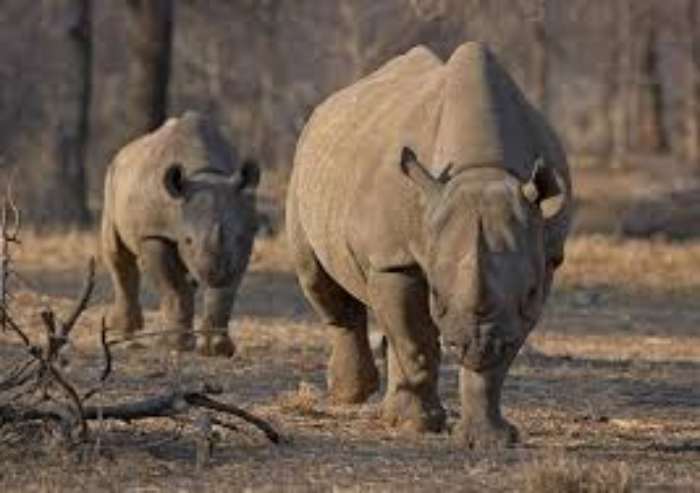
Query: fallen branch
[[168, 405]]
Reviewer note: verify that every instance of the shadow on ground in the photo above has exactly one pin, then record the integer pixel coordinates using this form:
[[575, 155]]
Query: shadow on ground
[[264, 294]]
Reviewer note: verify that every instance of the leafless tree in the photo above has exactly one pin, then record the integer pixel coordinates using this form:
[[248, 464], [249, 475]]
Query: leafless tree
[[650, 132], [620, 144], [149, 33], [66, 196], [540, 63]]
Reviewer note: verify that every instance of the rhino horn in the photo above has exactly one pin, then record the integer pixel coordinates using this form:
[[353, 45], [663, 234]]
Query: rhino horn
[[476, 291], [418, 174], [247, 177], [545, 188]]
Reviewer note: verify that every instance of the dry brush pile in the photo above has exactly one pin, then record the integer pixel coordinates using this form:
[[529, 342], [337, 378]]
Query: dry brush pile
[[35, 387]]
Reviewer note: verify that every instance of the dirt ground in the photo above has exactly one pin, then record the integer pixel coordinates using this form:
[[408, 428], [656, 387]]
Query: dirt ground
[[606, 396]]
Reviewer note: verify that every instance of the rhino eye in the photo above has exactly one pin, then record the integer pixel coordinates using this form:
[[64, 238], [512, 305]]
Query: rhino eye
[[438, 305], [528, 306]]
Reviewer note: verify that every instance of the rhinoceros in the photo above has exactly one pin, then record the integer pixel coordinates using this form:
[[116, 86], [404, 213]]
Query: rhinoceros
[[436, 196], [179, 207]]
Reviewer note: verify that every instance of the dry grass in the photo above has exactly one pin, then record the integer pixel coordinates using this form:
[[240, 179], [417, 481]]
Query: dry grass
[[632, 266], [565, 475], [305, 401]]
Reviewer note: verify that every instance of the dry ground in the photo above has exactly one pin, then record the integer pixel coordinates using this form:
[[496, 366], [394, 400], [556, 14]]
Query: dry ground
[[607, 396]]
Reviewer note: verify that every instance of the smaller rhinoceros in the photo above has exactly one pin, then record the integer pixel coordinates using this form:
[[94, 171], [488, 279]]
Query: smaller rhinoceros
[[179, 207]]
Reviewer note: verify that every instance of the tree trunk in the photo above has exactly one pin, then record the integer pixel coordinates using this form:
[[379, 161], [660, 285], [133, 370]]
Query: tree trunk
[[540, 66], [149, 34], [692, 106], [624, 70], [66, 197], [651, 133]]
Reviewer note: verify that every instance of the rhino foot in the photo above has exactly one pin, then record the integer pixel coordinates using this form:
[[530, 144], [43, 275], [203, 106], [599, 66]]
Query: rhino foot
[[124, 321], [487, 434], [215, 345], [407, 412], [352, 374], [353, 390], [182, 342]]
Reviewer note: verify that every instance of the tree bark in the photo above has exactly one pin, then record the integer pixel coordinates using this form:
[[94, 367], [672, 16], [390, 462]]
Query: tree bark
[[149, 35], [620, 144], [651, 136], [65, 201]]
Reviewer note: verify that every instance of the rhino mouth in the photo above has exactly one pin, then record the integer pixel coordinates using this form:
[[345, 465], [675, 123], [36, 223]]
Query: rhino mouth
[[217, 279], [480, 354]]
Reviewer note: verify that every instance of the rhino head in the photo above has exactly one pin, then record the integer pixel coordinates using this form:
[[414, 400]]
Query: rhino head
[[218, 220], [483, 235]]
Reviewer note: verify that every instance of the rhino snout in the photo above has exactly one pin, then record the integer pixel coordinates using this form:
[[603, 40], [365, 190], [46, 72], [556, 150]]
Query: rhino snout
[[217, 277]]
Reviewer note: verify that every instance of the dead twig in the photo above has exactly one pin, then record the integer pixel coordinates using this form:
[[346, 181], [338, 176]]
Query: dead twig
[[201, 400]]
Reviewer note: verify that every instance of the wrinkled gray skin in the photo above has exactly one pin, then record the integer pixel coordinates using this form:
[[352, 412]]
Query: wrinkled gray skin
[[179, 208], [436, 196]]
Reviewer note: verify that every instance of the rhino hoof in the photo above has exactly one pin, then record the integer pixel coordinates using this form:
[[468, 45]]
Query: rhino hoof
[[215, 345], [134, 345], [487, 435], [175, 342], [406, 413]]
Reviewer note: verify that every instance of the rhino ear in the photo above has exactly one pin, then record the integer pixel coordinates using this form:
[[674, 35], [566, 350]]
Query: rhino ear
[[545, 188], [174, 181], [416, 172], [247, 177]]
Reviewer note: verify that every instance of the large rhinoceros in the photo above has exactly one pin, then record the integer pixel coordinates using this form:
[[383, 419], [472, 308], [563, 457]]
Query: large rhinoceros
[[433, 194], [179, 207]]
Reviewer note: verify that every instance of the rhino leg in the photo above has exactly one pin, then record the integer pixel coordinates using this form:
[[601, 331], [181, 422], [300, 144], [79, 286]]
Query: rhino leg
[[482, 426], [212, 337], [125, 315], [352, 374], [162, 264], [400, 301]]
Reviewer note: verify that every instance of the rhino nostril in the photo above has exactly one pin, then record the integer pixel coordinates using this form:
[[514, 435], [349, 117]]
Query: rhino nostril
[[188, 240]]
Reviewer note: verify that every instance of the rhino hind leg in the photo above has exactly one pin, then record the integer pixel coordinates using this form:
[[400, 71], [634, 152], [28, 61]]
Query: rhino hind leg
[[125, 315], [212, 337], [160, 261]]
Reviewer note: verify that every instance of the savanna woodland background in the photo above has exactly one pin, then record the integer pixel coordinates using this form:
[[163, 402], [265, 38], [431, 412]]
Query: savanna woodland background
[[606, 395]]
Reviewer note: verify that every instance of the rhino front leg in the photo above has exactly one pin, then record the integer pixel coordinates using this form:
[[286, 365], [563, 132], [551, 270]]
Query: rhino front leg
[[400, 302], [482, 425], [160, 261], [352, 374], [125, 315], [213, 338]]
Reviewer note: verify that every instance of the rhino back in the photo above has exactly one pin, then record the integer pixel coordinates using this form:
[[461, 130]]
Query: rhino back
[[350, 148], [465, 112]]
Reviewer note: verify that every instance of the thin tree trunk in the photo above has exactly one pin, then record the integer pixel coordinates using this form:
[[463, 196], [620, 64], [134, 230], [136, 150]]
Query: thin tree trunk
[[624, 70], [149, 33], [540, 67], [692, 106], [65, 201], [651, 135]]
